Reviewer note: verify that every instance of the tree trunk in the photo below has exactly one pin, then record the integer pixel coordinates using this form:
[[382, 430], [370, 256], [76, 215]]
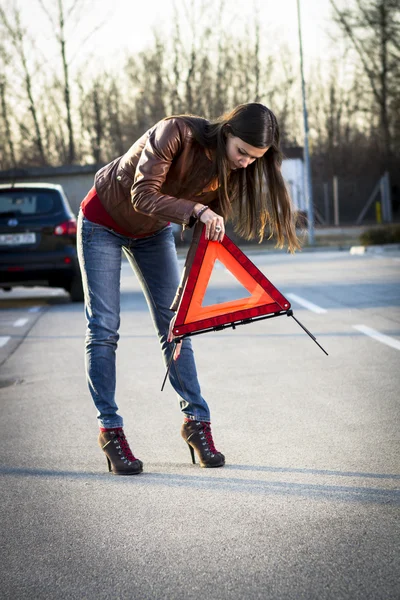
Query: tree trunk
[[384, 117], [4, 112], [67, 94]]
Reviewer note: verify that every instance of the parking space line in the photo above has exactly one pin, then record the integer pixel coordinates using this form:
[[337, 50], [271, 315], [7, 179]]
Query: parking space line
[[380, 337], [306, 304], [20, 322], [3, 340]]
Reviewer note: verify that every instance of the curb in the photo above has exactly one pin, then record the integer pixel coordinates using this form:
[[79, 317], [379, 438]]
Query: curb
[[378, 249]]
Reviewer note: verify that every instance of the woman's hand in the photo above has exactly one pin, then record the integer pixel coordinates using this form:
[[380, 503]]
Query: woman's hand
[[215, 226], [171, 337]]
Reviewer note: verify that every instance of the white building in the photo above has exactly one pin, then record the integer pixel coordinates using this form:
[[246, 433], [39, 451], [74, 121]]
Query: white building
[[294, 175]]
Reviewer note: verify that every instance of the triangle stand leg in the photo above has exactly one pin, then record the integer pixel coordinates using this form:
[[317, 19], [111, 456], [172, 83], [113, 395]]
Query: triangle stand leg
[[171, 358], [290, 314]]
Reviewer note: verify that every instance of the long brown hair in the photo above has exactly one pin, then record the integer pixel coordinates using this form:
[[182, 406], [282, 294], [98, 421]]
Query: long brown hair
[[256, 198]]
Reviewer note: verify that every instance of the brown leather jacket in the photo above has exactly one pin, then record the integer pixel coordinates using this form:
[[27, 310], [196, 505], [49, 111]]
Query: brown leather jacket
[[147, 187]]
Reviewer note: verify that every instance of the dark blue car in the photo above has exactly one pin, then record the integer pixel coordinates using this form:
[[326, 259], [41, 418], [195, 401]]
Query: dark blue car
[[38, 238]]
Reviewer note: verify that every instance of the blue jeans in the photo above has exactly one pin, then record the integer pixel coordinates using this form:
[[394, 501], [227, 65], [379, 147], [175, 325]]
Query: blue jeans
[[154, 261]]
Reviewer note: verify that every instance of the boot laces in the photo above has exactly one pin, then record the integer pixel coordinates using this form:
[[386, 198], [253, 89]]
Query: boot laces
[[123, 442], [209, 437]]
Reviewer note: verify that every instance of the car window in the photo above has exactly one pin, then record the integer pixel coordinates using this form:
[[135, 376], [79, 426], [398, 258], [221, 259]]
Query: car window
[[19, 202]]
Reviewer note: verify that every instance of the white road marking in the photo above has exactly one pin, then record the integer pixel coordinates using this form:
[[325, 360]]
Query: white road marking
[[306, 304], [380, 337], [34, 309], [20, 322], [3, 340]]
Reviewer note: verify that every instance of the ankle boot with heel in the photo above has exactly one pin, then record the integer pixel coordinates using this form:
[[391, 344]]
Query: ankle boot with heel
[[120, 459], [198, 436]]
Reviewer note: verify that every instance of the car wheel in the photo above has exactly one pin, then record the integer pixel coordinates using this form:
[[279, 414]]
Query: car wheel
[[75, 289]]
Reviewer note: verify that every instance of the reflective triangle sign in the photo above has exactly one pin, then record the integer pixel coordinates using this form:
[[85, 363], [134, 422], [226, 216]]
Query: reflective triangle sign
[[260, 296]]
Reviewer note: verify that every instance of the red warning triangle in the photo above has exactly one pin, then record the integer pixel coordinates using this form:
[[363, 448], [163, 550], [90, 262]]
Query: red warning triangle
[[264, 298]]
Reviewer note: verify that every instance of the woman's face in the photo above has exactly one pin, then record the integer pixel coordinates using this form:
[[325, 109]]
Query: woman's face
[[241, 155]]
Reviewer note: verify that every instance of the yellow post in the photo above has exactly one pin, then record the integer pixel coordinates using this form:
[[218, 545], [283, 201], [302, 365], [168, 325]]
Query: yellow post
[[378, 212]]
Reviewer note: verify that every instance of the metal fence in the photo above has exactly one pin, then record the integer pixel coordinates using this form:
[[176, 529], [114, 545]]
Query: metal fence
[[365, 200]]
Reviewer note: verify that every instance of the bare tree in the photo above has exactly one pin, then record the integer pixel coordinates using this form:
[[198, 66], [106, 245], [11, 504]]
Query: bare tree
[[115, 118], [98, 125], [334, 121], [257, 55], [220, 89], [191, 14], [175, 81], [206, 73], [17, 36], [67, 15], [281, 93], [59, 27], [373, 28], [7, 139]]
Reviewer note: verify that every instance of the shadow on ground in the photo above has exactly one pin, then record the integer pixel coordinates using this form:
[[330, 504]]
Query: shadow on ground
[[214, 483]]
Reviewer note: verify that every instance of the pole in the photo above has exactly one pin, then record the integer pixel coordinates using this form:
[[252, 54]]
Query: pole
[[388, 197], [306, 149], [383, 199], [335, 200], [326, 203]]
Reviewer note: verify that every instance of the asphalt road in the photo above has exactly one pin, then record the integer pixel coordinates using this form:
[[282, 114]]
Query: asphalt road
[[308, 505]]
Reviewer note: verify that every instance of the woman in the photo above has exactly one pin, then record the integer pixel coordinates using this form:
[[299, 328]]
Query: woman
[[184, 169]]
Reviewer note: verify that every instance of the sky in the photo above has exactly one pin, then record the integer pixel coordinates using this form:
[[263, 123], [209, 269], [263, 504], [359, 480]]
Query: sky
[[132, 20], [127, 25]]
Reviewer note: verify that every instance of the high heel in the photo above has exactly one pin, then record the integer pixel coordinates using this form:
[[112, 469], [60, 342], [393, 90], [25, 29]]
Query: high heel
[[120, 459], [191, 453], [198, 436]]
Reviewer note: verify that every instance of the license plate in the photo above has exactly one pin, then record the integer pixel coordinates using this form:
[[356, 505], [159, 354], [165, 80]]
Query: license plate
[[17, 239]]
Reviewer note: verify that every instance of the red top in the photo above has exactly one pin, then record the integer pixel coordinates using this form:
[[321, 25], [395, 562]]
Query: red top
[[93, 210]]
